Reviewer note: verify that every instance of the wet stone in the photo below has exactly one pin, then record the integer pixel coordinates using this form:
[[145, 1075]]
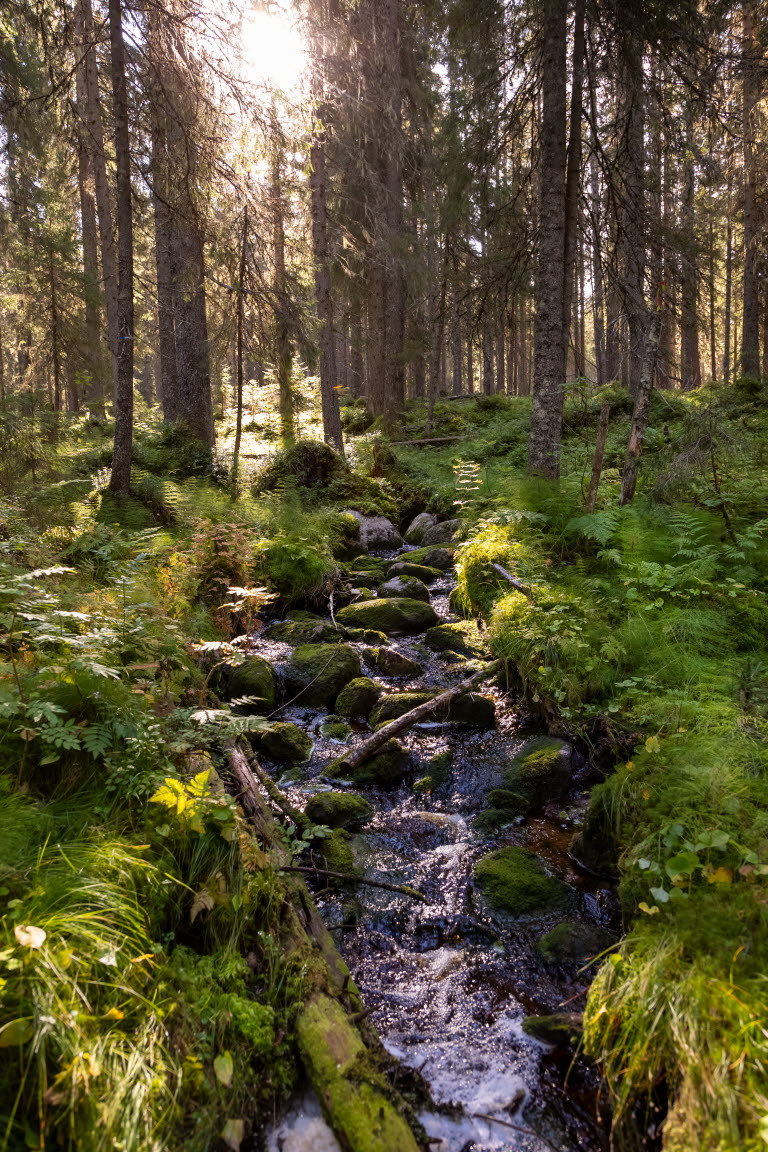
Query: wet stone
[[333, 728], [414, 533], [420, 571], [357, 698], [253, 678], [376, 532], [407, 587], [393, 616], [441, 558], [441, 533], [574, 943], [472, 709], [393, 664], [302, 628], [339, 810], [514, 881], [562, 1029], [463, 638], [387, 769], [285, 744], [320, 671]]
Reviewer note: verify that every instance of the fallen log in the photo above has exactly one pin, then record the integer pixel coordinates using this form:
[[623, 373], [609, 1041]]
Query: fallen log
[[425, 440], [344, 1063], [362, 752], [350, 877], [512, 580]]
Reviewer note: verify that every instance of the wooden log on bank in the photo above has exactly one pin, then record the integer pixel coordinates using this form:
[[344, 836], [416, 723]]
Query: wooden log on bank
[[340, 1058], [362, 752]]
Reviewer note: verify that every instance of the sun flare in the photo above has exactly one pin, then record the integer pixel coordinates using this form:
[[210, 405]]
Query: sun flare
[[273, 48]]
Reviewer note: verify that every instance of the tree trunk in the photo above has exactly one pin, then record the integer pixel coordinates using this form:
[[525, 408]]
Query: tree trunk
[[166, 323], [728, 292], [329, 394], [690, 361], [597, 460], [549, 344], [239, 352], [94, 389], [640, 413], [634, 215], [283, 351], [121, 460], [751, 59], [573, 171]]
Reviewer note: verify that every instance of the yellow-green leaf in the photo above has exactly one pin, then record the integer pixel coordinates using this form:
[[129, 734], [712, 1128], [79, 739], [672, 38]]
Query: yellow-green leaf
[[224, 1068], [232, 1134]]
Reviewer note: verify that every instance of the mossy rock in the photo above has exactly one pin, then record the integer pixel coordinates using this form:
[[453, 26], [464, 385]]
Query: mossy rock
[[404, 587], [441, 533], [319, 672], [306, 464], [372, 566], [339, 810], [302, 628], [393, 664], [473, 709], [441, 558], [462, 638], [254, 677], [285, 744], [365, 635], [573, 943], [335, 852], [514, 881], [393, 616], [541, 771], [387, 769], [333, 728], [439, 770], [414, 533], [594, 846], [357, 698], [420, 571], [563, 1029]]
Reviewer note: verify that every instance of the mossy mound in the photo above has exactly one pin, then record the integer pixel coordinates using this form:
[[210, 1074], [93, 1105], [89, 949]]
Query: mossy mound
[[302, 628], [307, 464], [365, 635], [371, 567], [255, 678], [514, 881], [285, 744], [463, 638], [540, 772], [357, 698], [438, 771], [392, 616], [472, 709], [393, 664], [420, 571], [563, 1029], [335, 852], [388, 769], [339, 809], [333, 728], [320, 671], [441, 558], [404, 587], [574, 943]]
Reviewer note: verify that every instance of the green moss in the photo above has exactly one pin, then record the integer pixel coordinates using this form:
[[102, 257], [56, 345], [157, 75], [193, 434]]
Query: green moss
[[335, 852], [357, 698], [386, 770], [574, 943], [339, 809], [333, 728], [285, 744], [389, 662], [514, 881], [302, 628], [318, 672], [539, 773], [392, 616], [421, 572], [307, 464], [404, 587], [254, 677], [471, 709], [463, 638], [430, 557], [562, 1028]]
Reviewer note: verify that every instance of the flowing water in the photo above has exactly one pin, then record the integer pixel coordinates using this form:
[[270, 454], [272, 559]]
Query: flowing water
[[448, 982]]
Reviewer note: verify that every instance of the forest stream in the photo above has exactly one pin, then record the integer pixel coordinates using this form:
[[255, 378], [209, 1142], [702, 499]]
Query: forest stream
[[448, 982]]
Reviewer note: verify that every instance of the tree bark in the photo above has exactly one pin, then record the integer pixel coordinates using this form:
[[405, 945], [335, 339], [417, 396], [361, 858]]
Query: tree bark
[[239, 352], [573, 170], [751, 59], [166, 323], [329, 395], [640, 413], [283, 350], [94, 389], [549, 344], [121, 460], [690, 361]]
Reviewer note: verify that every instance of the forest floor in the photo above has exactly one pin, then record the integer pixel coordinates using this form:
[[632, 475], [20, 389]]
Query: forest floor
[[147, 999]]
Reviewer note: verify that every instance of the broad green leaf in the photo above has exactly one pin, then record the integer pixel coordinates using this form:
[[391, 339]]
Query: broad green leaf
[[224, 1068]]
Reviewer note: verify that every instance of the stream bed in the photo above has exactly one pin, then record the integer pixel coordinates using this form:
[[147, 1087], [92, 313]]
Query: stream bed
[[448, 982]]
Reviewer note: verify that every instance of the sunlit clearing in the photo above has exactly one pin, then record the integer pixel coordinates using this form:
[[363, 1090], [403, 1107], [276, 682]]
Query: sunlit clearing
[[273, 49]]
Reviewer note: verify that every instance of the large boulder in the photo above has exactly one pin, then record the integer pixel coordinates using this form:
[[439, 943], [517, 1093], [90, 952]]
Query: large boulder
[[319, 672], [253, 678], [302, 628], [440, 558], [393, 664], [393, 616], [463, 638], [441, 533], [285, 744], [339, 809], [414, 533], [404, 588], [377, 534], [387, 769], [514, 881], [472, 709], [420, 571], [356, 699]]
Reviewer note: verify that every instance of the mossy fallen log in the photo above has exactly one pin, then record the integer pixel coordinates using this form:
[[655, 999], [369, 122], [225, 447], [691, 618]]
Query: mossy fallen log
[[342, 1056]]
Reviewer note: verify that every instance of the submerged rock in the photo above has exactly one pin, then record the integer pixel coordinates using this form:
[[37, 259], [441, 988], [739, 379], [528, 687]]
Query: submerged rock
[[365, 635], [302, 628], [574, 943], [334, 729], [285, 744], [514, 881], [414, 533], [540, 772], [376, 532], [254, 677], [561, 1029], [473, 709], [339, 809], [440, 558], [387, 769], [398, 616], [441, 533], [420, 571], [357, 698], [392, 663], [320, 671], [463, 638], [407, 587]]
